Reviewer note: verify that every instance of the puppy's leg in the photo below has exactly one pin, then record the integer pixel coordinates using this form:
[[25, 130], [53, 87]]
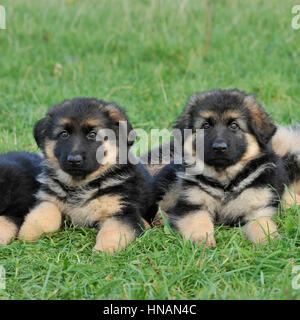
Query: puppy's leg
[[260, 229], [158, 219], [114, 235], [8, 230], [146, 224], [45, 217], [197, 227], [290, 198]]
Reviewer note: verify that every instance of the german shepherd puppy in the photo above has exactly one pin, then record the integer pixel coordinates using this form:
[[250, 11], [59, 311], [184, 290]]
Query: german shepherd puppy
[[286, 143], [240, 179], [76, 181], [18, 185]]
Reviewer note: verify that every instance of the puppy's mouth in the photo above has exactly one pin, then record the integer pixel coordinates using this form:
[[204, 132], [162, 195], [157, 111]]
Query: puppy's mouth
[[219, 162], [76, 172]]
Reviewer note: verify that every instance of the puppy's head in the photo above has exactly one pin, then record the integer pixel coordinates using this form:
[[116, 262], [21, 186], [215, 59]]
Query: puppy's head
[[235, 126], [69, 136]]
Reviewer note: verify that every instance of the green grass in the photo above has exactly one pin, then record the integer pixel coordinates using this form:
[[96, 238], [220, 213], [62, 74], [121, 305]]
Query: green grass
[[148, 56]]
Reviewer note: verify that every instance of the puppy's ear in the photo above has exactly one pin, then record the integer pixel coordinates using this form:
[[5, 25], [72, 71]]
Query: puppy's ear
[[261, 123], [184, 120], [39, 132], [120, 119]]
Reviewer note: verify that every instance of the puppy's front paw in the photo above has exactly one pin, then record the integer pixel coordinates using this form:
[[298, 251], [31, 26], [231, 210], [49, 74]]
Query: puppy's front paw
[[107, 245], [203, 236], [261, 230], [261, 238], [4, 241], [44, 218], [113, 236], [197, 227], [8, 230], [30, 231]]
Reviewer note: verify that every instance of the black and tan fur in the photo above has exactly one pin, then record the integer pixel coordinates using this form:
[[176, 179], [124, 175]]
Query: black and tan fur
[[18, 184], [242, 179], [286, 143], [114, 197]]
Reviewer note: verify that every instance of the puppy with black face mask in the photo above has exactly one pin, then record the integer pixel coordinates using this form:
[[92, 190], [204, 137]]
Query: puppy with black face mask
[[240, 179], [84, 178]]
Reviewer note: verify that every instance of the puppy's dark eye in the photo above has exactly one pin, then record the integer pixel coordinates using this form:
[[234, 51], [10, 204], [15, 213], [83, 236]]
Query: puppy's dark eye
[[92, 135], [205, 125], [64, 134], [234, 126]]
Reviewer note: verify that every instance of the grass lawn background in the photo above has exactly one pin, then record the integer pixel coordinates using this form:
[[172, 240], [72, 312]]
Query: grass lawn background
[[148, 56]]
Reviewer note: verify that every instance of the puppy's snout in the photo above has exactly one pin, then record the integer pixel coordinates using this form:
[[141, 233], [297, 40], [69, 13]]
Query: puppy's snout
[[219, 146], [75, 160]]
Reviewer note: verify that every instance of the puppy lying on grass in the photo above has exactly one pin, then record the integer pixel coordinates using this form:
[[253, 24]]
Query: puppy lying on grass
[[286, 143], [94, 189], [18, 184], [240, 180]]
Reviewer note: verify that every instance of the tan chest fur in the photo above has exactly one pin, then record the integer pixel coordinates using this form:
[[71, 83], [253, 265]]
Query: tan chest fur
[[94, 211], [247, 203], [97, 210]]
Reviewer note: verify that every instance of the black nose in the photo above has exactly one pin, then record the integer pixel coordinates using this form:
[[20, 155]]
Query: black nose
[[75, 160], [219, 146]]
